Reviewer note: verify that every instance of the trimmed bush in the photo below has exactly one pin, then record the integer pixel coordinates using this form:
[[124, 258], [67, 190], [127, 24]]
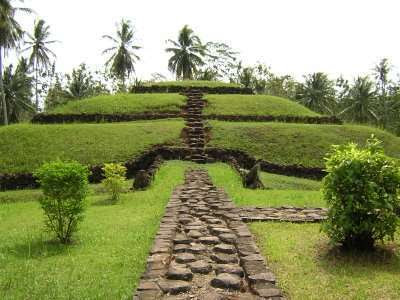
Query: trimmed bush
[[65, 186], [114, 181], [362, 192]]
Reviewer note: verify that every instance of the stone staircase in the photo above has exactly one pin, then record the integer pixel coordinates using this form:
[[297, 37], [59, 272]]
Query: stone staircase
[[195, 129]]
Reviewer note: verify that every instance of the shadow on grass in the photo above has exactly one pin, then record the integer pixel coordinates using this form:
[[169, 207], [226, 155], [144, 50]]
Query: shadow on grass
[[384, 258], [38, 248]]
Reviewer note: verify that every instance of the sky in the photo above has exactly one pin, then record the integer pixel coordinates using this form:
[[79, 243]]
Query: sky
[[296, 37]]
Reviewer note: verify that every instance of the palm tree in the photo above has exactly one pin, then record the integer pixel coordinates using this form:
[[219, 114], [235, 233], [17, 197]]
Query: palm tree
[[10, 35], [18, 91], [187, 54], [317, 93], [361, 100], [39, 57], [123, 59]]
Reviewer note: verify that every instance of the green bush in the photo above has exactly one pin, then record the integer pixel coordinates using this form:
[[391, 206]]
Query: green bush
[[114, 181], [65, 186], [362, 192]]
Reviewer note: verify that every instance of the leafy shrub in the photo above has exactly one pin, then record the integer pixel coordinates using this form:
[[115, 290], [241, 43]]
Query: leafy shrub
[[114, 181], [362, 192], [65, 186]]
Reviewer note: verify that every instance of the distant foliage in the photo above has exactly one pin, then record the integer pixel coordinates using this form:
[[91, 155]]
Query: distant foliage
[[65, 186], [362, 192], [114, 181]]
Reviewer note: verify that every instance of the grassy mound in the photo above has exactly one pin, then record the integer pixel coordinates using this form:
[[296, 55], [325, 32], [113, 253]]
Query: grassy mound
[[123, 104], [254, 105], [291, 144], [305, 264], [25, 147], [194, 83], [115, 239]]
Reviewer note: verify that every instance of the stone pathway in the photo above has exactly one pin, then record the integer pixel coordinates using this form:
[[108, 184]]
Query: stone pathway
[[203, 250], [195, 126], [284, 214]]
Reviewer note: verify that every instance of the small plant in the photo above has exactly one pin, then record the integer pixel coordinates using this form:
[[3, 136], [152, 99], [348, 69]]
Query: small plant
[[362, 192], [65, 186], [114, 181]]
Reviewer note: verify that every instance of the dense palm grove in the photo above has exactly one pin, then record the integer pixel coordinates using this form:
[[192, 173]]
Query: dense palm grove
[[35, 85]]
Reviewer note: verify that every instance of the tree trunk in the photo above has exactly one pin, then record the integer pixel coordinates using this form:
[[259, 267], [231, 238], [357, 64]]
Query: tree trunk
[[36, 87], [3, 95]]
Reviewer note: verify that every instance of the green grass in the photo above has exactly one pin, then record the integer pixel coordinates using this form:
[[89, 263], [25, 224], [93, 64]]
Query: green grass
[[254, 105], [195, 83], [306, 266], [283, 190], [290, 144], [109, 253], [123, 104], [25, 147]]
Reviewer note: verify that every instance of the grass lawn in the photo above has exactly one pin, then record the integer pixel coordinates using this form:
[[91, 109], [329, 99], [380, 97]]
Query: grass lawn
[[109, 253], [254, 105], [307, 267], [290, 144], [195, 83], [123, 104], [283, 190], [25, 147]]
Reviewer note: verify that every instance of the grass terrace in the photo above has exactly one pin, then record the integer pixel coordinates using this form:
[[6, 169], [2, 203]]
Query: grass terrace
[[25, 147], [108, 255], [254, 105], [305, 264], [280, 190], [291, 144], [123, 104]]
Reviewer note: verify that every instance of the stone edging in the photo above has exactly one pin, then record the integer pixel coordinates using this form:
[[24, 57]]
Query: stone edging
[[281, 118], [203, 250]]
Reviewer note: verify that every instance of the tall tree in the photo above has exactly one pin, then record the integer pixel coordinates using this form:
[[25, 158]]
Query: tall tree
[[40, 53], [10, 35], [187, 54], [123, 57], [360, 102], [317, 93], [18, 91]]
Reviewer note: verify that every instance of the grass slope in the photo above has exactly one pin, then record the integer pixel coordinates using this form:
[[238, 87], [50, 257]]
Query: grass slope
[[107, 258], [194, 83], [123, 104], [289, 144], [282, 190], [254, 105], [306, 265], [25, 147]]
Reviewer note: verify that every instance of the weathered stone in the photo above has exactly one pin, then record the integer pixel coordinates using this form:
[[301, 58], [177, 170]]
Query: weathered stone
[[194, 234], [174, 287], [179, 273], [262, 277], [269, 293], [253, 267], [209, 240], [220, 230], [180, 248], [230, 269], [252, 257], [146, 285], [224, 258], [201, 267], [197, 249], [147, 295], [225, 248], [184, 258], [226, 281], [229, 238], [181, 239]]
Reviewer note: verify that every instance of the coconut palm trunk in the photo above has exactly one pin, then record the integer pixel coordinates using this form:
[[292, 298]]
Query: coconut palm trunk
[[36, 86], [3, 95]]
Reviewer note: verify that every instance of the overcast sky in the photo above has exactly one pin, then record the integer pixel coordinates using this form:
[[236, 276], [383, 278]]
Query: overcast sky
[[292, 36]]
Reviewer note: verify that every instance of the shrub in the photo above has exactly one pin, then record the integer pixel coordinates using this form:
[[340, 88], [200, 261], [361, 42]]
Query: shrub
[[361, 190], [65, 186], [114, 181]]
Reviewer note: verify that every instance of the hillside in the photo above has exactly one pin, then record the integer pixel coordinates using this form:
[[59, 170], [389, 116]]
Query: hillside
[[289, 144], [254, 105], [123, 104], [25, 147]]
